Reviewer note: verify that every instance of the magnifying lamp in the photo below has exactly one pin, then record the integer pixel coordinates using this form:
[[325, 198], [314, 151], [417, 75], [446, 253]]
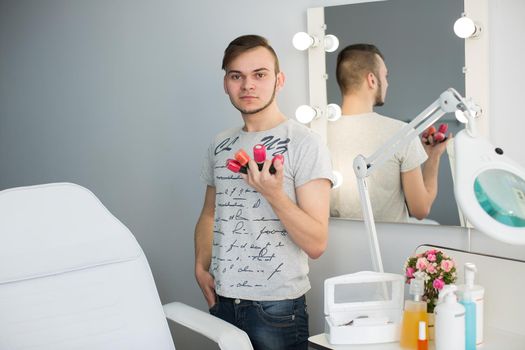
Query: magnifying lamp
[[490, 188]]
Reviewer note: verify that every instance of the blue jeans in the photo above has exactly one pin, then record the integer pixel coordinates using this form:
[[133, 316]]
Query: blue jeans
[[271, 325]]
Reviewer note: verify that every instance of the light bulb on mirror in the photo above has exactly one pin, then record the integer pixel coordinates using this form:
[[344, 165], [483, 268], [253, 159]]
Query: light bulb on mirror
[[305, 114], [461, 117], [338, 179], [303, 41], [333, 112], [465, 28], [331, 43], [471, 110]]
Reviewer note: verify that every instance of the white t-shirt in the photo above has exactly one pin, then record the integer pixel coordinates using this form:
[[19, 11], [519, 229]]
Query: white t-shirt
[[364, 134], [252, 256]]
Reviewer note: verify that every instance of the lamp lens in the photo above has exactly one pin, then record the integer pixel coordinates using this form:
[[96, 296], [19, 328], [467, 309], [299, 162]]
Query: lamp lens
[[501, 194]]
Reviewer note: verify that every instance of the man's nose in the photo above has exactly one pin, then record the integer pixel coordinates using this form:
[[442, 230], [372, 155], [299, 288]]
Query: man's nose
[[248, 84]]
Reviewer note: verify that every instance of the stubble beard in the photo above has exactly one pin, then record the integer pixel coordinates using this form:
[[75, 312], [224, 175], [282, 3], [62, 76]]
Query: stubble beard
[[379, 99], [255, 111]]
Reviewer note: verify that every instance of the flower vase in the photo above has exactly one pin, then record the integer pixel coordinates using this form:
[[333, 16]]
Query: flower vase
[[430, 335]]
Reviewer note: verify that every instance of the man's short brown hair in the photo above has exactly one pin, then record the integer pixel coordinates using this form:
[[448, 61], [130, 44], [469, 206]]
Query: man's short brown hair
[[354, 62], [245, 43]]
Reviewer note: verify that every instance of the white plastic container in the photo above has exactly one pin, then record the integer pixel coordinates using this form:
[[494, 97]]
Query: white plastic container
[[449, 321], [477, 293], [363, 308]]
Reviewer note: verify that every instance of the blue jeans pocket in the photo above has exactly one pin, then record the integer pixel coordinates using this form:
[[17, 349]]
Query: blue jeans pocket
[[277, 313]]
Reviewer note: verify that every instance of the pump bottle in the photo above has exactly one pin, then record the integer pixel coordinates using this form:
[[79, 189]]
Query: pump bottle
[[477, 294], [449, 321], [415, 311], [470, 320]]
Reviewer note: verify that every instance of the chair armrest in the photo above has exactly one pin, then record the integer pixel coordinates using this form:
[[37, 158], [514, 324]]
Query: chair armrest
[[226, 335]]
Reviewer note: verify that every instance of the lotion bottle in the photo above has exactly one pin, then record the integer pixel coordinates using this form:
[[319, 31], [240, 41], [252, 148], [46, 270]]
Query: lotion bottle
[[415, 311], [449, 321], [477, 293]]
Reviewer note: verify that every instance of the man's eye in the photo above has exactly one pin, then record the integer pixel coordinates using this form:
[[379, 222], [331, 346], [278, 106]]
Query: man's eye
[[261, 75], [235, 77]]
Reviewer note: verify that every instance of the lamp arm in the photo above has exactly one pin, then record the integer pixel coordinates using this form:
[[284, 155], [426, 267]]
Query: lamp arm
[[368, 218], [448, 101]]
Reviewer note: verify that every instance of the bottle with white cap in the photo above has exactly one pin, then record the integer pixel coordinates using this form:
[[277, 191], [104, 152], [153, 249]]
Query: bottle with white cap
[[415, 311], [449, 321], [477, 294], [422, 341]]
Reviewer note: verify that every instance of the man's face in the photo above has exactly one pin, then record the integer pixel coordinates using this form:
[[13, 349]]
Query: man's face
[[251, 81], [382, 83]]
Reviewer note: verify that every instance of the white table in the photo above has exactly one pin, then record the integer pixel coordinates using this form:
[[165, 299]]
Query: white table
[[495, 339]]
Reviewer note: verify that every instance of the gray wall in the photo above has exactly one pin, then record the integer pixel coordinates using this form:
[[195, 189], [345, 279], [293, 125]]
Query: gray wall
[[123, 97]]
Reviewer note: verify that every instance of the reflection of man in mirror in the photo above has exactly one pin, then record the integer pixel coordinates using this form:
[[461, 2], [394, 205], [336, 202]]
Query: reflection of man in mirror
[[405, 185], [257, 230]]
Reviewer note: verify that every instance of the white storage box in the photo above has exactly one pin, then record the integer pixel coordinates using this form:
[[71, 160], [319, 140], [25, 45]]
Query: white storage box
[[363, 308]]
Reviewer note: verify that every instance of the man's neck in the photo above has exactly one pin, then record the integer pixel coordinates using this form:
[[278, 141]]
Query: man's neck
[[266, 119], [357, 104]]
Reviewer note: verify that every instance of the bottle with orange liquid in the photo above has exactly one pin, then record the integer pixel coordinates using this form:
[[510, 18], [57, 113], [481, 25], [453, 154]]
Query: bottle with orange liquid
[[415, 311]]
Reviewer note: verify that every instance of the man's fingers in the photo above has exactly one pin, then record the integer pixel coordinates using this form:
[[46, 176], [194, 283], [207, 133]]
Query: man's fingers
[[278, 165]]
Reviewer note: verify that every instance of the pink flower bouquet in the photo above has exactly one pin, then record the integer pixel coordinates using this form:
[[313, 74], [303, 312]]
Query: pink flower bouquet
[[436, 268]]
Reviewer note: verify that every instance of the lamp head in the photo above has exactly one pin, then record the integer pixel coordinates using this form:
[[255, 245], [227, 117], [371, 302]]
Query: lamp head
[[490, 189]]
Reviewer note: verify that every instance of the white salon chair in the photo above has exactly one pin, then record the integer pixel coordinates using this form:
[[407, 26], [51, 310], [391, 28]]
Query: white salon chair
[[72, 276]]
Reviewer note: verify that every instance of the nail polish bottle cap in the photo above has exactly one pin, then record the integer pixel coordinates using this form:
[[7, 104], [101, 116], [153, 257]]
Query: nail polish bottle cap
[[443, 128], [259, 153], [242, 157], [233, 165]]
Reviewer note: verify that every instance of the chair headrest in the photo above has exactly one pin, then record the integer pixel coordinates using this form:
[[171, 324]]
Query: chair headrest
[[57, 228]]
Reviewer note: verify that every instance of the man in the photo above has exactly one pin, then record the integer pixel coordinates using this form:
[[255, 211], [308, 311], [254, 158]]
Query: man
[[257, 230], [400, 187]]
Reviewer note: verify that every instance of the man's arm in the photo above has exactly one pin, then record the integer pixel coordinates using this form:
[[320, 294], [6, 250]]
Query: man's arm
[[203, 245], [420, 186], [307, 221]]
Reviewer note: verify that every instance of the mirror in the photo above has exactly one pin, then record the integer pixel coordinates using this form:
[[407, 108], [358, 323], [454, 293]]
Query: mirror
[[423, 57]]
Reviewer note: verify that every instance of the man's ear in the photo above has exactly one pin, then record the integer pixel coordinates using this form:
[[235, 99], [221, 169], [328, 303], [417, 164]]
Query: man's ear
[[224, 85], [280, 81], [371, 80]]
